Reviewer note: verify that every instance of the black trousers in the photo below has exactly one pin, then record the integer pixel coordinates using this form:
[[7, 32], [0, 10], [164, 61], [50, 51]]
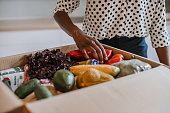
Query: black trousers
[[136, 45]]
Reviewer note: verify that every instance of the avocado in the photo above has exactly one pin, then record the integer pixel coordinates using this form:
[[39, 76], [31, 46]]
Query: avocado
[[63, 80]]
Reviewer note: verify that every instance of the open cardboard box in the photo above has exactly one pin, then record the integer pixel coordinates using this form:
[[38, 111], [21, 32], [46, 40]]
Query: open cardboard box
[[145, 92]]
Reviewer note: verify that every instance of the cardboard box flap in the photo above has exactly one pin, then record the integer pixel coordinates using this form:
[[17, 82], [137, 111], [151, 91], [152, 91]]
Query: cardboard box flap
[[8, 101], [145, 92], [20, 60]]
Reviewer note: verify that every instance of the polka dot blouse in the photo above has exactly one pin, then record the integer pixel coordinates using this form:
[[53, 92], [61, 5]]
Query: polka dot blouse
[[107, 18]]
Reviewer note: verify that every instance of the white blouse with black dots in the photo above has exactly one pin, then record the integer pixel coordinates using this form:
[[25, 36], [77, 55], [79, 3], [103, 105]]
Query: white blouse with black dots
[[107, 18]]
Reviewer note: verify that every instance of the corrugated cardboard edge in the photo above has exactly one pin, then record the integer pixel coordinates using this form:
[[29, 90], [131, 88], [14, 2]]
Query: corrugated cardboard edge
[[145, 92], [130, 55]]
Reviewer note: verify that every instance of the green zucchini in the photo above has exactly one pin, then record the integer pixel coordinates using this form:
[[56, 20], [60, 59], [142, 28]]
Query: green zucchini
[[27, 88], [42, 92]]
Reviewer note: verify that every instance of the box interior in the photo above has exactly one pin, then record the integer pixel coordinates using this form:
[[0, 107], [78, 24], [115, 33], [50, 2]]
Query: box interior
[[104, 89], [20, 60]]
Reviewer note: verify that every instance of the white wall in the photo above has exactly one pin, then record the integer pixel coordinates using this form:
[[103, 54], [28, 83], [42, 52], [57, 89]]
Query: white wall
[[17, 9], [17, 42]]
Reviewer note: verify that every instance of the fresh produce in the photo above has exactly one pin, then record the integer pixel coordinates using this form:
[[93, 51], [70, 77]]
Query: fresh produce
[[42, 92], [79, 69], [7, 83], [90, 61], [25, 89], [27, 77], [118, 55], [115, 58], [79, 55], [44, 64], [76, 54], [92, 77], [63, 80], [128, 67]]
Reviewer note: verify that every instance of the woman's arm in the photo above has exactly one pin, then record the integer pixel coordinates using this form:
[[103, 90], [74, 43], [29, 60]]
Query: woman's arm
[[163, 54], [159, 34], [83, 41]]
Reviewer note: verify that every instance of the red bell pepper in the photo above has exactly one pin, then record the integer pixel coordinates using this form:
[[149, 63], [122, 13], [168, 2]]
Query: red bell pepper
[[118, 55], [108, 53], [79, 55], [76, 54], [116, 58]]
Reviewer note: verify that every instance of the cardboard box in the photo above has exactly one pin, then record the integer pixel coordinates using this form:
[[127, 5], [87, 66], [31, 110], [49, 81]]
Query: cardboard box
[[145, 92]]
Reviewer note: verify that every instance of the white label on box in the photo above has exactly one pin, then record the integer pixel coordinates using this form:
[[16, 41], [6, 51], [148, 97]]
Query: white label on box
[[16, 79]]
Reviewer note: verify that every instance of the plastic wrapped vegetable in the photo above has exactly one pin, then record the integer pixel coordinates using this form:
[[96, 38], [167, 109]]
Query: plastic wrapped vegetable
[[128, 67]]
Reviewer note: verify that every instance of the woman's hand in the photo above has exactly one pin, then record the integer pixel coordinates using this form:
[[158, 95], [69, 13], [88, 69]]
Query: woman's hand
[[85, 42]]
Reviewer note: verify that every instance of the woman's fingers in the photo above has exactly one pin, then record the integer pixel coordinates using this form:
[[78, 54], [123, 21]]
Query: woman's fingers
[[95, 55], [85, 53], [97, 52], [102, 49], [85, 42]]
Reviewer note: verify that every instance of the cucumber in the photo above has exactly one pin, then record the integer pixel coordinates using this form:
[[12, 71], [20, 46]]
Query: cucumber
[[27, 88], [63, 80], [42, 92], [6, 82]]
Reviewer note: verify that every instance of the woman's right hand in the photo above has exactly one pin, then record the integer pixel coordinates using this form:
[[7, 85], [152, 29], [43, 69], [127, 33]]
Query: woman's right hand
[[85, 42]]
